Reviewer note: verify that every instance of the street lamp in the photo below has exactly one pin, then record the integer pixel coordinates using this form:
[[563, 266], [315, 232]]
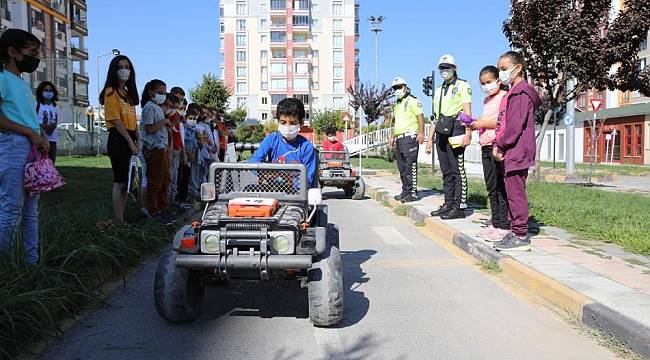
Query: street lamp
[[376, 27], [114, 52]]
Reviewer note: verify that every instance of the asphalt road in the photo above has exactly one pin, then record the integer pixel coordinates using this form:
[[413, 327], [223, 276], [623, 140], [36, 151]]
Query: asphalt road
[[406, 298]]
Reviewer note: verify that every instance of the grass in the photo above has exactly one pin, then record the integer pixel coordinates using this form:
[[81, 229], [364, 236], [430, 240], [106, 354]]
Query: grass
[[401, 210], [490, 266], [386, 203], [582, 168], [638, 262], [619, 218], [80, 251]]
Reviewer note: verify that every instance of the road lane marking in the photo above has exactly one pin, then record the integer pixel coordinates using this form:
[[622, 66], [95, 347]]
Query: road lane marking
[[390, 235]]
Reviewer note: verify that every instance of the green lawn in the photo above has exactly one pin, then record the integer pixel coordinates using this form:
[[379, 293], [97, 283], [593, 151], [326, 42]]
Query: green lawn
[[620, 218], [582, 169], [80, 250]]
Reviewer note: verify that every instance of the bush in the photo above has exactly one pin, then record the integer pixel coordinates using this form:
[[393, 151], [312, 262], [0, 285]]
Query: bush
[[271, 126], [237, 116], [323, 120], [250, 133]]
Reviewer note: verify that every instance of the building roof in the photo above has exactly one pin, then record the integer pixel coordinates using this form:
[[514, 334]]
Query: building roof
[[621, 111]]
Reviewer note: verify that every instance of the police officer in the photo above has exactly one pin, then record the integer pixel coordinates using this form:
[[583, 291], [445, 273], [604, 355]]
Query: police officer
[[450, 98], [407, 137]]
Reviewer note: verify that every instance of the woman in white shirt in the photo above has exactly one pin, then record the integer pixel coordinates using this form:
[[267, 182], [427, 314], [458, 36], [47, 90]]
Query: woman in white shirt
[[48, 113]]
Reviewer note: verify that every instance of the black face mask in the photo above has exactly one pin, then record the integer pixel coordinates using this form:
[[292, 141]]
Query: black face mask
[[28, 64]]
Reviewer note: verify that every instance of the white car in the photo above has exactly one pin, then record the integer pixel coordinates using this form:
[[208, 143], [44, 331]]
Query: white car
[[71, 127]]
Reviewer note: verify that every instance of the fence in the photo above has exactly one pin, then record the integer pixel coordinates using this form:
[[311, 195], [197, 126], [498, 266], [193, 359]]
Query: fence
[[71, 142]]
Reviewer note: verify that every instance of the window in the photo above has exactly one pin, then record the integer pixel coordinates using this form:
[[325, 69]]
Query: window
[[642, 64], [276, 98], [241, 8], [338, 71], [314, 54], [560, 149], [314, 70], [242, 88], [338, 56], [638, 141], [279, 69], [265, 116], [315, 23], [264, 55], [549, 146], [644, 44], [626, 97], [263, 8], [278, 4], [301, 84], [263, 38], [315, 85], [241, 25], [241, 102], [278, 36], [222, 27], [221, 42], [264, 23], [241, 40], [628, 140], [223, 73], [314, 7], [241, 71], [314, 38], [278, 84], [301, 68], [241, 56], [337, 87], [337, 102], [264, 85], [265, 100], [337, 24], [315, 101], [301, 4], [300, 38], [38, 20], [337, 8], [264, 72], [278, 54], [302, 97], [300, 20], [299, 54], [337, 41]]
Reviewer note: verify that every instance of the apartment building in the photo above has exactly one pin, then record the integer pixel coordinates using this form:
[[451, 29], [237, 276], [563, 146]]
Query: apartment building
[[61, 26], [274, 49]]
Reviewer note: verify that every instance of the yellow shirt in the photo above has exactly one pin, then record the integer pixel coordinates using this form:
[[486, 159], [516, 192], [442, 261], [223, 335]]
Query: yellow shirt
[[454, 95], [116, 108], [406, 112]]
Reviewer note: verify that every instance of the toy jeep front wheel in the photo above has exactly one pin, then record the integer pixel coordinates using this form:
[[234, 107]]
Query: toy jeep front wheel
[[178, 292], [359, 189], [325, 284]]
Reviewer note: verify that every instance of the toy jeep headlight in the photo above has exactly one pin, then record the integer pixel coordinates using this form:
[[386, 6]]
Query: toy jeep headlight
[[326, 173], [346, 173], [210, 242], [282, 242]]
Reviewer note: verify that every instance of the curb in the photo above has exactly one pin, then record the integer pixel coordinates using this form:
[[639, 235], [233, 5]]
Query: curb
[[593, 314]]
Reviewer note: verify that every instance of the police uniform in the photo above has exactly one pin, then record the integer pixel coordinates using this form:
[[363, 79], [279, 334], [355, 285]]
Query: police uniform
[[406, 113], [448, 101]]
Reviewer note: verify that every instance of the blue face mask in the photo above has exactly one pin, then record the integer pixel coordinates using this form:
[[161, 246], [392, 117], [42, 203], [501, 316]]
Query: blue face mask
[[48, 95]]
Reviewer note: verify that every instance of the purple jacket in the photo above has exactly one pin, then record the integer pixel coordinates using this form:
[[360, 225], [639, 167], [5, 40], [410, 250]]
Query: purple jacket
[[517, 138]]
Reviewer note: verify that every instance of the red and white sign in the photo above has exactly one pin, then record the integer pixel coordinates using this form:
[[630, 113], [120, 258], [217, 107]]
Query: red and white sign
[[346, 117], [595, 104]]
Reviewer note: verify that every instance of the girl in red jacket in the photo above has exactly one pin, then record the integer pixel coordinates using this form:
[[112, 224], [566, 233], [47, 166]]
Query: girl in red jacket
[[515, 146]]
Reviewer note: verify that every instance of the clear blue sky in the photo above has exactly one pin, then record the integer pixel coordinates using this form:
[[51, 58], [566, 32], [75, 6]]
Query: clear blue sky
[[178, 41]]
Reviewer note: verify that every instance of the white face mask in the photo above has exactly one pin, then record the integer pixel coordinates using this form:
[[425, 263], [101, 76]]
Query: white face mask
[[124, 74], [289, 132], [332, 138], [400, 93], [159, 98], [490, 88], [191, 123], [446, 74], [506, 76]]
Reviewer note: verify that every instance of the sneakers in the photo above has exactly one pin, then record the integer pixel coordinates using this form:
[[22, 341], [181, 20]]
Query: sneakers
[[409, 198], [399, 197], [442, 210], [186, 205], [453, 214], [497, 235], [513, 242], [487, 231]]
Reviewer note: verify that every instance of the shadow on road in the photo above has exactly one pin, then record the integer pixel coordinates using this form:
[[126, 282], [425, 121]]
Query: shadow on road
[[338, 195], [365, 347]]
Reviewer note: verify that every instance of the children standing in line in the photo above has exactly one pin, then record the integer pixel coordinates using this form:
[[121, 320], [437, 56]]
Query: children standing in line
[[155, 123], [515, 146], [492, 169], [48, 113], [176, 143], [20, 52], [187, 187]]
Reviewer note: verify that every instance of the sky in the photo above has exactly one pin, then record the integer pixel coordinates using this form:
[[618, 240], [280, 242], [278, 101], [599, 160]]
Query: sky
[[178, 41]]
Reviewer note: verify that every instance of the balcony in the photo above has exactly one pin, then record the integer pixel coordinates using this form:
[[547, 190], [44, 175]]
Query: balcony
[[79, 52], [58, 6], [79, 26], [278, 6], [81, 77], [81, 4]]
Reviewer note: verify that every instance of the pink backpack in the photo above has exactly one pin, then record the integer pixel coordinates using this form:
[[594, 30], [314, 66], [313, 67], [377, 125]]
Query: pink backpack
[[40, 174]]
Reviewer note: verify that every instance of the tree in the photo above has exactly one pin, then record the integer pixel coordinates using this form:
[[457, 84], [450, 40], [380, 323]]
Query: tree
[[325, 119], [211, 92], [236, 116], [250, 133], [371, 99], [567, 39]]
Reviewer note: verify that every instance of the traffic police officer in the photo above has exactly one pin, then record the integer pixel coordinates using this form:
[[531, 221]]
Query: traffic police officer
[[452, 97], [407, 137]]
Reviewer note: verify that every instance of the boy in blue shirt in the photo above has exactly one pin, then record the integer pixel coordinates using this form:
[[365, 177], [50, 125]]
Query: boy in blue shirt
[[286, 146]]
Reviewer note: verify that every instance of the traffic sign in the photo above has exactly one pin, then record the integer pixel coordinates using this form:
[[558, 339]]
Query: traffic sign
[[595, 104], [346, 117], [568, 120]]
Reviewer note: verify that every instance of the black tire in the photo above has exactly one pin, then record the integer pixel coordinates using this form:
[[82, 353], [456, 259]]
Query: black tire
[[178, 292], [325, 285], [349, 190], [359, 189]]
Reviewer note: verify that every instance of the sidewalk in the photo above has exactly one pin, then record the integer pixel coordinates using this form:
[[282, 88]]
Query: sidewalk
[[607, 288]]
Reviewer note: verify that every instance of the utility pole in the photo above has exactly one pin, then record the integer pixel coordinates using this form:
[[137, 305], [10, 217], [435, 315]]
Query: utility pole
[[569, 122], [376, 27]]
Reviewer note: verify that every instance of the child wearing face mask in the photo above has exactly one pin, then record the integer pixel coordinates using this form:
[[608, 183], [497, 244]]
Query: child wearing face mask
[[515, 146], [331, 142], [19, 131], [156, 110], [492, 170], [188, 187], [287, 146], [48, 114]]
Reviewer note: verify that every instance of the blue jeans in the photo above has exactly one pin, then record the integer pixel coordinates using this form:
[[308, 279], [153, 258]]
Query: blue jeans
[[16, 206]]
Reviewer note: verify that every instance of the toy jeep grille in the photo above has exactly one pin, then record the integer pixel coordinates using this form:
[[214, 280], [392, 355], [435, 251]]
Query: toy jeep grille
[[277, 181]]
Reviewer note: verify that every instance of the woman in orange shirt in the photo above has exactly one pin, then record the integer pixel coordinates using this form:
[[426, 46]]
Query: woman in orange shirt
[[119, 97]]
